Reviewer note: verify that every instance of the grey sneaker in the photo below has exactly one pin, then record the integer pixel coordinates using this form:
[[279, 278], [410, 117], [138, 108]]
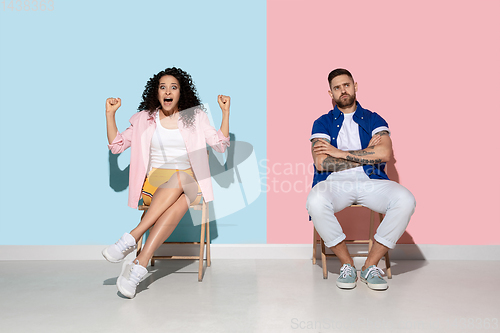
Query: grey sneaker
[[348, 277], [372, 276], [132, 273], [118, 251]]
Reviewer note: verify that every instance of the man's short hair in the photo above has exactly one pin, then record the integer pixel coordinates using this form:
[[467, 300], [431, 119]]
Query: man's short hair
[[337, 72]]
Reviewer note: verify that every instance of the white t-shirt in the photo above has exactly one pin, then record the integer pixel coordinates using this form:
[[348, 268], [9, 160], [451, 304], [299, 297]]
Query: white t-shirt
[[168, 150], [348, 138]]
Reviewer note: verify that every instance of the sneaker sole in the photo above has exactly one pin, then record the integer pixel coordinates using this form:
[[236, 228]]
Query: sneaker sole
[[109, 258], [375, 286], [344, 285], [118, 284]]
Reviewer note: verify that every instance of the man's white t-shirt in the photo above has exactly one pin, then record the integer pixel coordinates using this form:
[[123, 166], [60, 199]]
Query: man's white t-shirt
[[348, 138]]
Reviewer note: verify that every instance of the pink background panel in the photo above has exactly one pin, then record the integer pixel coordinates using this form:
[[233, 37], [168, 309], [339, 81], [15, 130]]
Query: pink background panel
[[430, 68]]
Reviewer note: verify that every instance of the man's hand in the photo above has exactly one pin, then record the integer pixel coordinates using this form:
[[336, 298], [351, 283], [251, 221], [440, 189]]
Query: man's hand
[[375, 140], [325, 162], [379, 150], [328, 158], [323, 147]]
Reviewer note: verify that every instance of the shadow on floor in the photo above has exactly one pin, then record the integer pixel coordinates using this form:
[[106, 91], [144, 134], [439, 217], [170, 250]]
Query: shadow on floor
[[398, 267], [161, 269]]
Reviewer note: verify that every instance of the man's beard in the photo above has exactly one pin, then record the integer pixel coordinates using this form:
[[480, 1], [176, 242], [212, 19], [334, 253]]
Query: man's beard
[[345, 103]]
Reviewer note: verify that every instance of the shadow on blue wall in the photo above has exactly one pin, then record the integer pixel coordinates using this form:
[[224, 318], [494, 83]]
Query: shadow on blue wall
[[118, 179]]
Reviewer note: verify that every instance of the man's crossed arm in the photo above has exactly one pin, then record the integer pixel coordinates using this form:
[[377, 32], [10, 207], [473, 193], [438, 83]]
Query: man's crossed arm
[[328, 158]]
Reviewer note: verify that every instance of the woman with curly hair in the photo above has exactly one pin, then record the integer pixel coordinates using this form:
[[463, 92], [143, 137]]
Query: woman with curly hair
[[168, 163]]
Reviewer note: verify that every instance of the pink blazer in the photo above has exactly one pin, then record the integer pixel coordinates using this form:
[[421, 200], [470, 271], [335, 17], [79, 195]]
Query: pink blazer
[[138, 136]]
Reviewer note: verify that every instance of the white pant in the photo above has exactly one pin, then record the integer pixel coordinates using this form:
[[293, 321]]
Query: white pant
[[340, 190]]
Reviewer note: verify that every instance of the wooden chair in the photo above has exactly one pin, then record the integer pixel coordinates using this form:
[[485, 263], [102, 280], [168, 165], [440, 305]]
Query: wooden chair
[[204, 240], [317, 239]]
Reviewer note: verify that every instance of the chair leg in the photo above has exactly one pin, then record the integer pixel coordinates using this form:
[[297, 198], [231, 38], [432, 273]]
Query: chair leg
[[153, 257], [202, 247], [387, 260], [388, 265], [314, 246], [139, 242], [139, 247], [323, 259], [209, 258], [370, 237]]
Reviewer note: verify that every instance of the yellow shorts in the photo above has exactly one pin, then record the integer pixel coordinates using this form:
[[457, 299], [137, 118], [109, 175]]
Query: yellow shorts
[[157, 177]]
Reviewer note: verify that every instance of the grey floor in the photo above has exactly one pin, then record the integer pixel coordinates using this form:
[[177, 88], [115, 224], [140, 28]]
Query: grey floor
[[248, 296]]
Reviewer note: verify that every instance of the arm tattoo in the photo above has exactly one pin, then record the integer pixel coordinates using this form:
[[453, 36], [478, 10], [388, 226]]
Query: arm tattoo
[[333, 164], [382, 133], [315, 140], [362, 160], [363, 152]]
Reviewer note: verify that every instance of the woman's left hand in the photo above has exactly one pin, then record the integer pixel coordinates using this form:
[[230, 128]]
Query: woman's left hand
[[224, 103]]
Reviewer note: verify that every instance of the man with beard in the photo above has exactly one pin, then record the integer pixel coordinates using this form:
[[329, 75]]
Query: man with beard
[[350, 146]]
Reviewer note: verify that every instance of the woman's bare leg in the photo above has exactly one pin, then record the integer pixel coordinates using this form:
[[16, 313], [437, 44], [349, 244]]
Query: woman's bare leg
[[166, 195], [163, 228], [162, 200]]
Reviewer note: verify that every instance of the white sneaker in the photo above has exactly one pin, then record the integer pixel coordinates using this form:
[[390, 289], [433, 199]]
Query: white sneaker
[[131, 275], [118, 251]]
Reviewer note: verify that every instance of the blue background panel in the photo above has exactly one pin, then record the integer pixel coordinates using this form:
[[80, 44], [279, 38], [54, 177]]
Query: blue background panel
[[57, 69]]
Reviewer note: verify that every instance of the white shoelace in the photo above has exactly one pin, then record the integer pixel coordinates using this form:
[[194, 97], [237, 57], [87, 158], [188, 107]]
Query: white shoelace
[[122, 246], [134, 276], [346, 270], [375, 271]]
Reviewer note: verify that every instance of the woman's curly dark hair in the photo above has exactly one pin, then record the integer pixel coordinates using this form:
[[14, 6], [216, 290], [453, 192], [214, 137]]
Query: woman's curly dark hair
[[189, 102]]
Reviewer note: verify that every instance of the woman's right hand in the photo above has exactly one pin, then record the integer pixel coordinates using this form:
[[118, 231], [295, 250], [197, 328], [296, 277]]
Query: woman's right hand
[[112, 104]]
